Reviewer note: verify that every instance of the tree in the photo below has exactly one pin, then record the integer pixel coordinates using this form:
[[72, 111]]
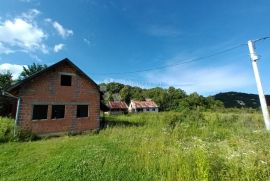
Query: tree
[[5, 80], [137, 93], [31, 69], [193, 101], [158, 95], [214, 104], [174, 96], [125, 94]]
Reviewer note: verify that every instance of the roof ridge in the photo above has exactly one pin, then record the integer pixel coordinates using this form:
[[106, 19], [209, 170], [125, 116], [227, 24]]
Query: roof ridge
[[49, 68]]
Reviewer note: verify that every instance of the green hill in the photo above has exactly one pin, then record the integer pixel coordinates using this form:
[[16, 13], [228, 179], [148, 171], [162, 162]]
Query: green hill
[[238, 100]]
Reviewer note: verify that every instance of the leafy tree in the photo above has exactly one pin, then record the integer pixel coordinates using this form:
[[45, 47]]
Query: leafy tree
[[160, 96], [31, 69], [125, 94], [114, 87], [174, 97], [5, 80], [137, 93], [214, 104]]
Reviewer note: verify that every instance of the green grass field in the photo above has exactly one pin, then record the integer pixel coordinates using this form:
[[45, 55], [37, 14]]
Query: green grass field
[[165, 146]]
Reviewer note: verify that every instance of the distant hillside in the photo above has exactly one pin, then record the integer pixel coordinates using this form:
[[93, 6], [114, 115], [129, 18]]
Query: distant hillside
[[238, 99]]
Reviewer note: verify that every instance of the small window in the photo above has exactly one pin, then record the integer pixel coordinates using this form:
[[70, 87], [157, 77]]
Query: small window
[[40, 112], [58, 111], [66, 80], [82, 111]]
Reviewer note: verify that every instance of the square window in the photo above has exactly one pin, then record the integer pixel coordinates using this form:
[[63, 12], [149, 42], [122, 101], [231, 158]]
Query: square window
[[66, 80], [82, 111], [40, 112], [58, 111]]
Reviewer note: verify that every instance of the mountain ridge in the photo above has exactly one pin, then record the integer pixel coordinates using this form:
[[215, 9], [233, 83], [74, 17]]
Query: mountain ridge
[[240, 100]]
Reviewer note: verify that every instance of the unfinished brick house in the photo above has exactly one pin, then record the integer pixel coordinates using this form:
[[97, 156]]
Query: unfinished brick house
[[58, 99]]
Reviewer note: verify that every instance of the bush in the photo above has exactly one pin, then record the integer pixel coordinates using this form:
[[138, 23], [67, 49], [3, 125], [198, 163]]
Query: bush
[[6, 129], [25, 135], [192, 117], [7, 132]]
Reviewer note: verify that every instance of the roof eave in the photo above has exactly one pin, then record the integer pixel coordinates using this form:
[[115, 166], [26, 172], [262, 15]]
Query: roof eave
[[17, 85]]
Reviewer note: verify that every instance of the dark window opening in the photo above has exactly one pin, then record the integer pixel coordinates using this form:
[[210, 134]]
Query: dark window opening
[[82, 111], [40, 111], [66, 80], [139, 110], [58, 111]]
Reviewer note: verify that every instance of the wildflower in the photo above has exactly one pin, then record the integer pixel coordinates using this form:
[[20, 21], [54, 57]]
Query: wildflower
[[263, 162]]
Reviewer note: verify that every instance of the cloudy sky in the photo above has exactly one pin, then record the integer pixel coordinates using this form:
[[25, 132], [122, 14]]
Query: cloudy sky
[[181, 43]]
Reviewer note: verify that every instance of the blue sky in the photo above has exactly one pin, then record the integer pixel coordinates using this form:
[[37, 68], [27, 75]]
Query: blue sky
[[103, 37]]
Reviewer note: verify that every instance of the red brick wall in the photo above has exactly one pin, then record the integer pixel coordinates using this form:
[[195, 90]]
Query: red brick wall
[[46, 89]]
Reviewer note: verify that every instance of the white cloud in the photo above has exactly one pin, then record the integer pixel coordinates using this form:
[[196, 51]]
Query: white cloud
[[203, 80], [88, 42], [13, 68], [48, 20], [58, 47], [61, 30], [132, 82], [31, 14], [21, 34]]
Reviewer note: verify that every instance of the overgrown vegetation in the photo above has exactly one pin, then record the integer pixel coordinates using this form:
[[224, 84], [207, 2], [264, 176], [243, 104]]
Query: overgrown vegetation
[[8, 132], [188, 145], [6, 129]]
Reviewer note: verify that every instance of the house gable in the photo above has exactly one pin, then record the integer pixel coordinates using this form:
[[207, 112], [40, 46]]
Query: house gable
[[65, 61]]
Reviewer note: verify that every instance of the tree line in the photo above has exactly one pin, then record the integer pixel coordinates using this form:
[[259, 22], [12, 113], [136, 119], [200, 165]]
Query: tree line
[[168, 99]]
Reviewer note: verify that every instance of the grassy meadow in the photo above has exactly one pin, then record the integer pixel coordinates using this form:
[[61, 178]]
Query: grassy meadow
[[190, 145]]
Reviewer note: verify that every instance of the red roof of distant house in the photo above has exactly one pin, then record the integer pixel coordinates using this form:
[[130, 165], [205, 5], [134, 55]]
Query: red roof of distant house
[[144, 104], [117, 105]]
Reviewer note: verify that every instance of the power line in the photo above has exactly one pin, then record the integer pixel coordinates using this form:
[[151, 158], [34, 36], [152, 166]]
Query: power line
[[263, 38], [185, 61]]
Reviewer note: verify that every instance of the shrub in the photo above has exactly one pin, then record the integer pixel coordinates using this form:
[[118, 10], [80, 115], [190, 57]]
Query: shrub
[[25, 135], [6, 129], [192, 117], [7, 132]]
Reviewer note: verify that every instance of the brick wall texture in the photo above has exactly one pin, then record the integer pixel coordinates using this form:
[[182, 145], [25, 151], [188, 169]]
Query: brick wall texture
[[46, 89]]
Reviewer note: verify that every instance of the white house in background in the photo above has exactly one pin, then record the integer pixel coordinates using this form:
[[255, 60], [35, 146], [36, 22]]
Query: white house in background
[[142, 106]]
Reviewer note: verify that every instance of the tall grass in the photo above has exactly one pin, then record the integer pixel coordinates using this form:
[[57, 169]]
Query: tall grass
[[200, 146], [190, 145], [6, 129], [10, 132]]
